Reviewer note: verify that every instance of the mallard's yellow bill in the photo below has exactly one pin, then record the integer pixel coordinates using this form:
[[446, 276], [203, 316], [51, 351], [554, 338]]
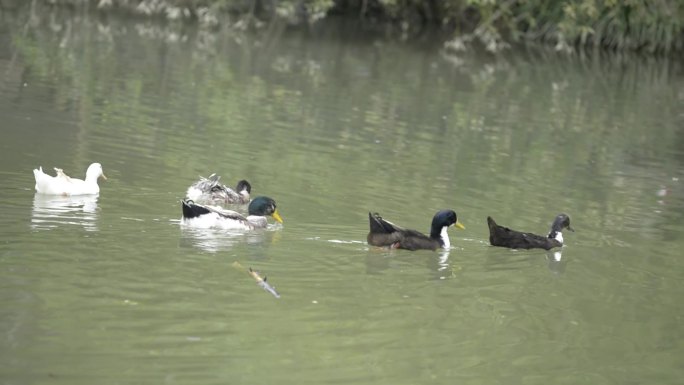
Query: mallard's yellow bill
[[277, 217], [459, 225]]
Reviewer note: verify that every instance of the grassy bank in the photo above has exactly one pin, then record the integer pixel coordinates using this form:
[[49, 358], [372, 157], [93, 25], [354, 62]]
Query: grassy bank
[[654, 26]]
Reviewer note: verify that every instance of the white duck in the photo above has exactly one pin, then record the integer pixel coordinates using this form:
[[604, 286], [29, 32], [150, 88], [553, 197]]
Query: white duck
[[62, 184]]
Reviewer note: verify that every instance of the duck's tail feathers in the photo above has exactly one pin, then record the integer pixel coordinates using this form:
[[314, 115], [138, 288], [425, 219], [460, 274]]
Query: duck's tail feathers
[[379, 225], [41, 179], [491, 223], [192, 210]]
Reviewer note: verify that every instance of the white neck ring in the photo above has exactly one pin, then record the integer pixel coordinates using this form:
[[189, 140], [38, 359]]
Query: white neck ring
[[445, 237]]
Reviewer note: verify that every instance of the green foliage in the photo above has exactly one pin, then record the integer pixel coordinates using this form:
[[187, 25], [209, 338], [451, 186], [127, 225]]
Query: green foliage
[[637, 24], [649, 25], [641, 25]]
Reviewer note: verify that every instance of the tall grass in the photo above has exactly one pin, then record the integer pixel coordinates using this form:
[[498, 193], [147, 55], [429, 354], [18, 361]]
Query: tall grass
[[655, 26]]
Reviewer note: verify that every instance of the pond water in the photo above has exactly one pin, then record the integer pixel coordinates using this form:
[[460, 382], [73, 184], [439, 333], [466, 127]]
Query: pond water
[[111, 289]]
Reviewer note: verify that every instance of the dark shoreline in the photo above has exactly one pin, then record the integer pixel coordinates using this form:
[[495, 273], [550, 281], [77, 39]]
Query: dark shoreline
[[453, 24]]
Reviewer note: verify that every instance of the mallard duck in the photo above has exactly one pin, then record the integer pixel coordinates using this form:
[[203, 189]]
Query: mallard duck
[[211, 191], [505, 237], [201, 216], [62, 184], [384, 233]]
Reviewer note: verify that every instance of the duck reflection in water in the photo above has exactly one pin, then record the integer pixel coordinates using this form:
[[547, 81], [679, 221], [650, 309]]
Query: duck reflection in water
[[51, 211], [502, 260], [556, 263], [214, 241], [438, 265]]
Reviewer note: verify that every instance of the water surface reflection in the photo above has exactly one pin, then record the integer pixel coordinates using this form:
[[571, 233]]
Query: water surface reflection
[[215, 241], [332, 129], [556, 262], [436, 264], [51, 211]]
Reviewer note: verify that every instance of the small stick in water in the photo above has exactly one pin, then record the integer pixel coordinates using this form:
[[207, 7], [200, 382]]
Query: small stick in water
[[260, 281]]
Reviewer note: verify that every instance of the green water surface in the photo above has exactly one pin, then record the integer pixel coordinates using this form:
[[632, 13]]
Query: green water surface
[[112, 290]]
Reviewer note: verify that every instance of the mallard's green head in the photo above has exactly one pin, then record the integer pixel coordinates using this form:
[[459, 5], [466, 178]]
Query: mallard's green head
[[263, 206], [445, 218]]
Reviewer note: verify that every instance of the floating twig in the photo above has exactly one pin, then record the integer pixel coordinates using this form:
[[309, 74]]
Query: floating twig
[[261, 281]]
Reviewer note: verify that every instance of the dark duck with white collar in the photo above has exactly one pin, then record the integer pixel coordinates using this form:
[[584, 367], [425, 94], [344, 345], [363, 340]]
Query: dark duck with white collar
[[505, 237], [386, 234]]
